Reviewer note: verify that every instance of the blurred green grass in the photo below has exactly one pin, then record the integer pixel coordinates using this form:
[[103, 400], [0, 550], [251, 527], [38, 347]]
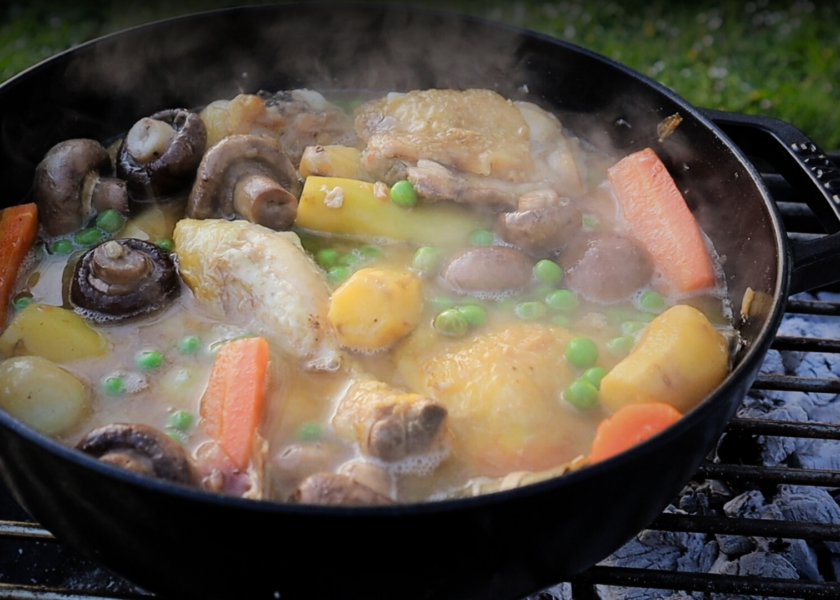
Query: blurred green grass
[[764, 56]]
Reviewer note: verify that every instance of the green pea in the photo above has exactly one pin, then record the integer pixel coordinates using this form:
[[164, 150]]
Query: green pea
[[507, 304], [327, 257], [652, 302], [371, 251], [88, 237], [451, 322], [440, 303], [548, 271], [148, 360], [645, 317], [310, 431], [541, 292], [426, 260], [582, 352], [403, 194], [181, 420], [562, 300], [594, 375], [22, 302], [177, 435], [475, 313], [62, 247], [581, 394], [618, 315], [621, 345], [590, 221], [166, 244], [189, 344], [113, 385], [530, 311], [338, 273], [351, 259], [110, 221], [631, 327], [560, 320], [482, 237]]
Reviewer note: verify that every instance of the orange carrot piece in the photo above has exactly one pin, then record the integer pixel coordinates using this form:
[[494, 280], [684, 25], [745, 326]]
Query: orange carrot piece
[[661, 221], [630, 425], [232, 404], [18, 228]]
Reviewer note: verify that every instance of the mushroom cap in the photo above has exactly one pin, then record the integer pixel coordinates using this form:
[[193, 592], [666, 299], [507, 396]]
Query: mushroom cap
[[230, 161], [173, 170], [121, 279], [59, 181], [141, 449]]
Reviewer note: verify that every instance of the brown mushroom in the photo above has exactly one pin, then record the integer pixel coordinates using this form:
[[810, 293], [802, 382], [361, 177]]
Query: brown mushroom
[[159, 155], [71, 184], [141, 449], [605, 266], [247, 176], [543, 223], [335, 489], [120, 279], [487, 269]]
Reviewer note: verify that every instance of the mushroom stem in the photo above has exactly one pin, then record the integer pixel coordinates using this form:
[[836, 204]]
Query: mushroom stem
[[264, 201], [109, 192], [118, 267], [148, 139]]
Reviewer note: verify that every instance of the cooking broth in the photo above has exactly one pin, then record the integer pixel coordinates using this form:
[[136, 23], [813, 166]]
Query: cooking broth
[[485, 358]]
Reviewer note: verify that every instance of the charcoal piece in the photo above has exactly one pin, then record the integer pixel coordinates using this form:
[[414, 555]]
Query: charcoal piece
[[750, 505], [798, 553], [772, 363], [734, 545], [755, 564], [561, 591], [808, 505]]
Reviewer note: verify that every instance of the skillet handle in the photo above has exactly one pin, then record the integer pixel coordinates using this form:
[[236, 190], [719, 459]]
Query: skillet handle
[[813, 176]]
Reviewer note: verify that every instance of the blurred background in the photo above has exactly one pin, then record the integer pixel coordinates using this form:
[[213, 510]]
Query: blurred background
[[763, 56]]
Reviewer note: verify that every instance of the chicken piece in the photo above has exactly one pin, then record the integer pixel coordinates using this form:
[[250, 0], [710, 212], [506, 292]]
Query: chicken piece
[[503, 392], [392, 425], [330, 489], [435, 181], [261, 280], [477, 131]]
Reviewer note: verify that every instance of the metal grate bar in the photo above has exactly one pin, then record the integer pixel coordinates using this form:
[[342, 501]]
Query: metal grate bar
[[26, 592], [742, 526], [791, 383], [583, 585], [762, 474], [813, 307], [806, 344], [810, 429]]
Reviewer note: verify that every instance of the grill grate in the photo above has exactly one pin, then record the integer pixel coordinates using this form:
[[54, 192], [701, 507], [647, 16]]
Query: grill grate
[[33, 565]]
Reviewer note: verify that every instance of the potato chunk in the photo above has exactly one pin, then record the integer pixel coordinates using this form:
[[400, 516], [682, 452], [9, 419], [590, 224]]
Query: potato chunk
[[375, 307], [42, 394], [51, 332], [679, 359]]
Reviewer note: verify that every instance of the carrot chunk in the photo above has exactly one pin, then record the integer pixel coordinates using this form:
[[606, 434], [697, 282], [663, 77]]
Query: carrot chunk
[[629, 426], [661, 221], [18, 228], [232, 403]]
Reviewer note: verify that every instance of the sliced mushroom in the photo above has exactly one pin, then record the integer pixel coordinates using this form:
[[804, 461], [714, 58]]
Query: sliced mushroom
[[487, 269], [141, 449], [160, 153], [335, 489], [247, 176], [543, 223], [71, 184], [124, 278], [606, 266]]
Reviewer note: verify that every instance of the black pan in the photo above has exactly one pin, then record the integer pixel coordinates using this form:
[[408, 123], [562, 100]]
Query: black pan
[[186, 543]]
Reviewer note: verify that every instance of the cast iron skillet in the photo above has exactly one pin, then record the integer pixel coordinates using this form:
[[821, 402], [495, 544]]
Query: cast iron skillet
[[185, 543]]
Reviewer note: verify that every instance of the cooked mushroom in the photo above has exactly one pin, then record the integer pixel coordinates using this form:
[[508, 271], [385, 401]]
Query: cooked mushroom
[[248, 176], [160, 153], [71, 184], [487, 269], [141, 449], [123, 278], [606, 266], [335, 489], [543, 223]]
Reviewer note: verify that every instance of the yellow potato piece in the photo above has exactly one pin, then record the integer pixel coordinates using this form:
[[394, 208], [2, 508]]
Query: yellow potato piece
[[679, 359], [330, 161], [375, 307], [503, 392], [51, 332]]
